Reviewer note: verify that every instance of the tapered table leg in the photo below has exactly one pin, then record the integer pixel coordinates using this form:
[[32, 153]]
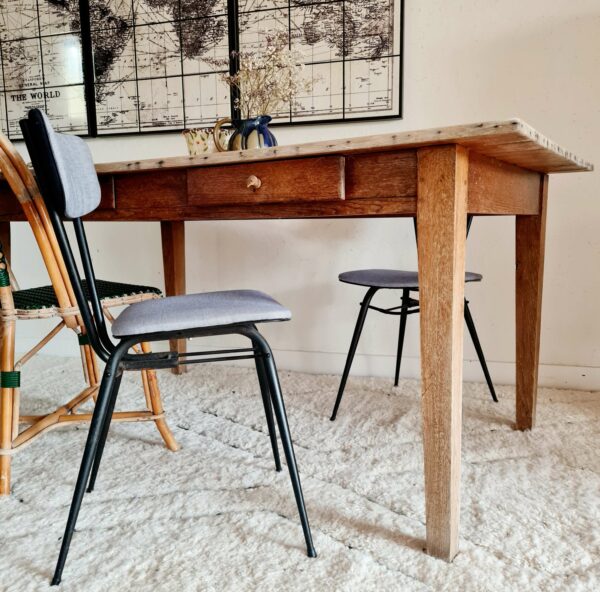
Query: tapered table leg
[[530, 242], [441, 223], [173, 250]]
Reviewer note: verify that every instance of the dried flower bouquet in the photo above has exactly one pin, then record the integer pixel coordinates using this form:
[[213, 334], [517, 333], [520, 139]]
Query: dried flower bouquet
[[270, 80]]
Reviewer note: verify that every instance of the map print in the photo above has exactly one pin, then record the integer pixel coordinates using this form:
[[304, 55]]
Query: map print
[[40, 55], [152, 61]]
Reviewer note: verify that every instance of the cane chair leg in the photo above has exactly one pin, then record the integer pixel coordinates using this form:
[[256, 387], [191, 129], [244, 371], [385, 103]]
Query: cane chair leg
[[157, 408], [146, 387], [84, 367], [101, 412], [7, 361], [286, 440], [479, 350], [94, 365], [401, 333], [6, 429], [360, 321], [16, 411], [152, 394], [90, 367], [266, 398]]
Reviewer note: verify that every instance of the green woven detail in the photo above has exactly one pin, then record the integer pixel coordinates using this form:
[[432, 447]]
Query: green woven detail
[[44, 297], [4, 277], [83, 339], [10, 379]]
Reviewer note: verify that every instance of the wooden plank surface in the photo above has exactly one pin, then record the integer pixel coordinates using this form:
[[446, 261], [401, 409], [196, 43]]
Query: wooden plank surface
[[441, 223], [511, 141], [530, 246]]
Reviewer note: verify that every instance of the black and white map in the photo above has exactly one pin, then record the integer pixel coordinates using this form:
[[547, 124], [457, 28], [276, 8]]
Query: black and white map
[[153, 60]]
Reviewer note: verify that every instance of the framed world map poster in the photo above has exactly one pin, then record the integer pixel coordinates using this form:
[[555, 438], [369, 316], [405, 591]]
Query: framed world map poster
[[102, 67]]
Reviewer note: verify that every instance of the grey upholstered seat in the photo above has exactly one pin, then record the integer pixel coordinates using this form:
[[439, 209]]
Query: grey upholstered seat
[[197, 311], [391, 278]]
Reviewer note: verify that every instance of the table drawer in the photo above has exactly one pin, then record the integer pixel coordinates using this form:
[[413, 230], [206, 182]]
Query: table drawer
[[299, 180]]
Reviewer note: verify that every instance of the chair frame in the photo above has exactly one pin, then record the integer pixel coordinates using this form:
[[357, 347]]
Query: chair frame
[[118, 359], [12, 440], [408, 306]]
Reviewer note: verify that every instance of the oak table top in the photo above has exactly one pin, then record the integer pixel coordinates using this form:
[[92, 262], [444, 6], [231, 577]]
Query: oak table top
[[512, 141]]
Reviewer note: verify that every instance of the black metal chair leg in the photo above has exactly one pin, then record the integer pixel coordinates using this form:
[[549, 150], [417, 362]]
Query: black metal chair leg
[[104, 433], [266, 398], [360, 321], [403, 317], [477, 344], [286, 440], [100, 413]]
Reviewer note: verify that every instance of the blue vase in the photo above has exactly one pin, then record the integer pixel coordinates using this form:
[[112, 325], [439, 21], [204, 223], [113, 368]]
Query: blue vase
[[248, 133]]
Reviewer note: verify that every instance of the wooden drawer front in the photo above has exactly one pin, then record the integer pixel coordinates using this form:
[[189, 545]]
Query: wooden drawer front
[[162, 189], [305, 179], [381, 175]]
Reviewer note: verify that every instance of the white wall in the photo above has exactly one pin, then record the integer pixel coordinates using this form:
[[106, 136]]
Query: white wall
[[465, 61]]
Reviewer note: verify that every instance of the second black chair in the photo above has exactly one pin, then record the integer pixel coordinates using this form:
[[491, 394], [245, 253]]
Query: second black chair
[[408, 282], [70, 188]]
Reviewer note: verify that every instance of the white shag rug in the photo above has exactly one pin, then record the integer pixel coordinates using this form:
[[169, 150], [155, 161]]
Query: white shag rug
[[215, 516]]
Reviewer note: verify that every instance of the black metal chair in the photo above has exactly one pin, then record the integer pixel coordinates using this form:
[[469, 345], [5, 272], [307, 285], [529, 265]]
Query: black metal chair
[[69, 185], [408, 282]]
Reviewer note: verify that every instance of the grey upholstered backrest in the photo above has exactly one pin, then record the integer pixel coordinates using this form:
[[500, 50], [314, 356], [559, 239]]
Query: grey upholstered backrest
[[75, 167]]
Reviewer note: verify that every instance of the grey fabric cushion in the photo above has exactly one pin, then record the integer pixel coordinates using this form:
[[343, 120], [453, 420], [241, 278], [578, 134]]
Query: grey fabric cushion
[[198, 311], [391, 278], [76, 170]]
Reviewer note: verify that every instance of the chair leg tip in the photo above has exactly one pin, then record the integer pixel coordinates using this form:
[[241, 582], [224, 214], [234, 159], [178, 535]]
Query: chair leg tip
[[311, 552], [55, 581], [332, 418]]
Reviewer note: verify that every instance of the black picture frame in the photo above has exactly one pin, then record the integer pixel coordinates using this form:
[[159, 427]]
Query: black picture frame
[[233, 38]]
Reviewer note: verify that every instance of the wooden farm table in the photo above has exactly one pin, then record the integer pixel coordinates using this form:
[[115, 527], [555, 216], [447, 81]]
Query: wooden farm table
[[437, 175]]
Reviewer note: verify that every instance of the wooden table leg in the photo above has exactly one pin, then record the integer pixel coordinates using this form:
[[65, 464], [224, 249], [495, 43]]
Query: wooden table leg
[[441, 224], [173, 249], [530, 243]]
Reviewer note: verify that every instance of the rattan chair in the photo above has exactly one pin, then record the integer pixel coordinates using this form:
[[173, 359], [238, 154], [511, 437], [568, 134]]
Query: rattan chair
[[70, 188], [56, 300]]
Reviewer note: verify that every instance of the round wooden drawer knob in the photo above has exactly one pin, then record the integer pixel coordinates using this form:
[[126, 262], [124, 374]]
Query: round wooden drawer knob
[[253, 182]]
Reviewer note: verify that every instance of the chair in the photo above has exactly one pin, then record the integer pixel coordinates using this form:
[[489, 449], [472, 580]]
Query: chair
[[54, 301], [70, 188], [408, 282]]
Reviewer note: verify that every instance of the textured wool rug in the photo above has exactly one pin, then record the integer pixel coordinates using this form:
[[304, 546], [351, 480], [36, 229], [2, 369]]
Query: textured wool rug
[[215, 516]]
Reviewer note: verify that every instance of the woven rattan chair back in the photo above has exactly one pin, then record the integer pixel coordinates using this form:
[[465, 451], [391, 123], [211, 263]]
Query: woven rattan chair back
[[23, 185]]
